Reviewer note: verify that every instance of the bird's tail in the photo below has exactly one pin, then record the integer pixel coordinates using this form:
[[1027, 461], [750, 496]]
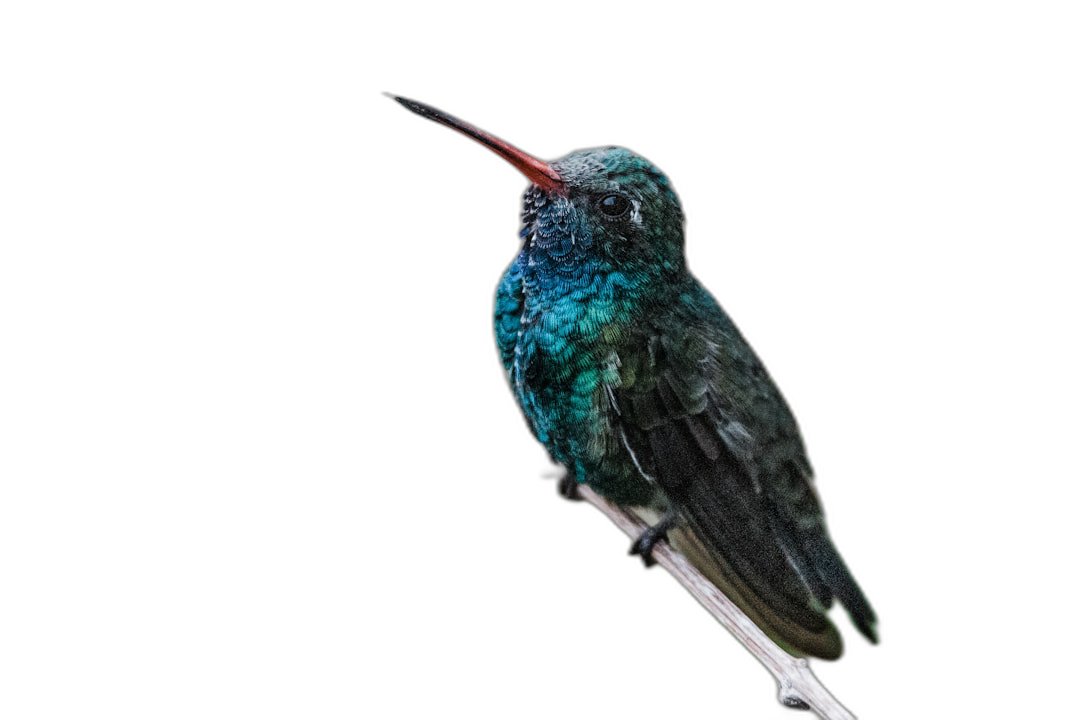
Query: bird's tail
[[807, 634], [832, 569]]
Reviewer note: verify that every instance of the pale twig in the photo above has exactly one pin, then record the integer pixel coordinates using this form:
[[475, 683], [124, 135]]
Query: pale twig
[[798, 685]]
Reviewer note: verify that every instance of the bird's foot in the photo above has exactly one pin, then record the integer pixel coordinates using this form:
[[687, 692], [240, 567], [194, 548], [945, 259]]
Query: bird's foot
[[648, 539], [795, 703], [565, 485]]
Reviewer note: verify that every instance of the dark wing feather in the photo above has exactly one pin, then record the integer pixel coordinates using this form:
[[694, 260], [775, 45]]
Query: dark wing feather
[[705, 422]]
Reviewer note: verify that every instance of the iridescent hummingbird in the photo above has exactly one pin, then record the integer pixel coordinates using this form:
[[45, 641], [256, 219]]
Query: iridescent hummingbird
[[638, 383]]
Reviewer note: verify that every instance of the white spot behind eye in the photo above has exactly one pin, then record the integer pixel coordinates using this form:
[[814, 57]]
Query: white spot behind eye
[[635, 217]]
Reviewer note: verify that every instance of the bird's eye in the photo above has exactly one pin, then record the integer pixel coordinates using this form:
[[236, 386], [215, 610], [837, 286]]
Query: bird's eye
[[614, 206]]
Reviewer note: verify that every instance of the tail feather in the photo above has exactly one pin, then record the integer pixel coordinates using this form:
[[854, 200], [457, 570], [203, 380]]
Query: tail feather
[[794, 637], [834, 572]]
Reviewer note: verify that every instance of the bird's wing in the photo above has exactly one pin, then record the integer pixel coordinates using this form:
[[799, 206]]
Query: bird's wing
[[704, 422]]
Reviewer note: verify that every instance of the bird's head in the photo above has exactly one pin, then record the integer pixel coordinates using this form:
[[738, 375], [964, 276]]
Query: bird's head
[[604, 205]]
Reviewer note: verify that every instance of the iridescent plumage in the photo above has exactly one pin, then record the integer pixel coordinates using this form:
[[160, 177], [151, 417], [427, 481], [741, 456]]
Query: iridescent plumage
[[634, 379]]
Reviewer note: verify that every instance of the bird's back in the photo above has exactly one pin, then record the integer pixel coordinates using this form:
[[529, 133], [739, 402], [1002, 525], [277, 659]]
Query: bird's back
[[707, 422]]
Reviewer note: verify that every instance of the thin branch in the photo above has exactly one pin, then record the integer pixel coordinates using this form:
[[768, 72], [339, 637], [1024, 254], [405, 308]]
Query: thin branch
[[799, 688]]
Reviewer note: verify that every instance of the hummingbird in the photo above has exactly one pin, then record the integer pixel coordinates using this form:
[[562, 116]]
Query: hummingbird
[[635, 380]]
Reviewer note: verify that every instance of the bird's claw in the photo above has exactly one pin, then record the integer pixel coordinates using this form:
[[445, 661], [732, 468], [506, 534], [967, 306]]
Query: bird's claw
[[566, 486], [649, 538]]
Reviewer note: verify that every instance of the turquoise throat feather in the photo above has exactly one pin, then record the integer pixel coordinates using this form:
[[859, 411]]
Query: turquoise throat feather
[[567, 308]]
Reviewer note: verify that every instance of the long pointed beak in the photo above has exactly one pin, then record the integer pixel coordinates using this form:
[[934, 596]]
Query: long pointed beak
[[539, 172]]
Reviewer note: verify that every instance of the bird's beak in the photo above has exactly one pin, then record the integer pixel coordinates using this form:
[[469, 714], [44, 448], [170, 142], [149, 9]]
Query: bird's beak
[[540, 173]]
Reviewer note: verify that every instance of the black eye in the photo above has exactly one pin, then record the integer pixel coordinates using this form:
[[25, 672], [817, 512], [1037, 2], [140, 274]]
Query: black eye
[[614, 205]]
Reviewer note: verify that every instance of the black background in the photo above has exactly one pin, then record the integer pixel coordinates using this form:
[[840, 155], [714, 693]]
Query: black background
[[408, 506]]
